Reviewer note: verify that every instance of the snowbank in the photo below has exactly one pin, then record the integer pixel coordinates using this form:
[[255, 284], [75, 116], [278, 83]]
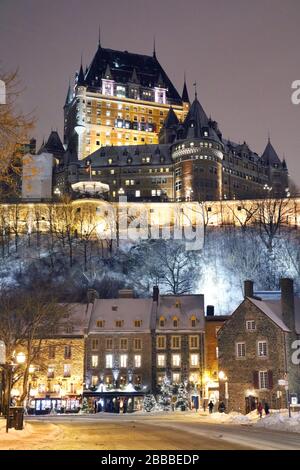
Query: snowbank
[[280, 421]]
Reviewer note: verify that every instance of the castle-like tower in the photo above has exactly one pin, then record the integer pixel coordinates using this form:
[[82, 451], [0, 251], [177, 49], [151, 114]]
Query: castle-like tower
[[121, 99]]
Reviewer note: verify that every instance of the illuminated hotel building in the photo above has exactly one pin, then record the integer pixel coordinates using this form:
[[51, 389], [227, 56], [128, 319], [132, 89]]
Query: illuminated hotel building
[[121, 99]]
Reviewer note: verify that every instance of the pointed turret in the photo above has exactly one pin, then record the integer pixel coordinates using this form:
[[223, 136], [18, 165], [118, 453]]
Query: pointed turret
[[160, 81], [134, 77], [108, 74], [80, 78], [53, 145], [154, 48], [171, 119], [270, 156], [185, 95], [69, 96], [196, 118]]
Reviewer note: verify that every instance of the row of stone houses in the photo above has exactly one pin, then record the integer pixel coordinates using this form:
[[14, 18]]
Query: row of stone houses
[[125, 347], [110, 349]]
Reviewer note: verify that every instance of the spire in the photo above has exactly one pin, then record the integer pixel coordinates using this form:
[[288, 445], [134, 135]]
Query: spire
[[160, 81], [269, 155], [195, 86], [171, 119], [99, 37], [80, 78], [108, 74], [154, 48], [69, 95], [134, 77], [185, 95]]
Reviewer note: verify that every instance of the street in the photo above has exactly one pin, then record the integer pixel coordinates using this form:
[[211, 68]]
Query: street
[[168, 432]]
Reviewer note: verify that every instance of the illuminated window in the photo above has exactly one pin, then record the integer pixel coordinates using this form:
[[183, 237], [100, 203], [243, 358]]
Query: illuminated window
[[100, 323], [95, 344], [107, 113], [194, 342], [109, 361], [137, 360], [161, 342], [194, 360], [124, 343], [138, 193], [94, 361], [175, 322], [137, 323], [51, 353], [67, 370], [119, 323], [176, 360], [137, 344], [175, 342], [193, 321], [109, 161], [175, 378], [94, 380], [123, 360], [50, 372], [262, 348], [161, 360]]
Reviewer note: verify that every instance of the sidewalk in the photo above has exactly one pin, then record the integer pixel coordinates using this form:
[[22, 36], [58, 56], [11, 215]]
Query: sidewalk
[[30, 437]]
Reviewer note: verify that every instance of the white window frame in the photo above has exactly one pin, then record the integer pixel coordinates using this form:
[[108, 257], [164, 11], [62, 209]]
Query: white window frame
[[259, 349], [137, 361], [163, 338], [161, 360], [191, 338], [249, 324], [109, 359], [123, 361], [94, 361], [175, 362], [193, 362], [263, 380], [240, 349], [174, 339]]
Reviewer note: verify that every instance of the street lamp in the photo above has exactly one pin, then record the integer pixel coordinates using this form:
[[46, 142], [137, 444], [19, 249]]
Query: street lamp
[[223, 378]]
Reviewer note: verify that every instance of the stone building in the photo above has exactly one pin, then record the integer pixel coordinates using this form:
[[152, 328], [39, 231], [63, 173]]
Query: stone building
[[256, 351], [56, 378]]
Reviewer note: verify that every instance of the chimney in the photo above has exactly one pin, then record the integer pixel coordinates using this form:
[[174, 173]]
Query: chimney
[[91, 295], [155, 295], [125, 294], [210, 310], [288, 302], [248, 289]]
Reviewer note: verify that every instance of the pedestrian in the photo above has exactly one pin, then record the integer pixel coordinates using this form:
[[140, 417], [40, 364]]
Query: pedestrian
[[221, 407], [211, 407], [259, 409], [267, 408], [125, 405]]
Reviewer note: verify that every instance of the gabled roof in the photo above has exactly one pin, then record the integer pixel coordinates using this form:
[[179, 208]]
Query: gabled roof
[[127, 310], [53, 145], [269, 155], [122, 65], [183, 307], [272, 309]]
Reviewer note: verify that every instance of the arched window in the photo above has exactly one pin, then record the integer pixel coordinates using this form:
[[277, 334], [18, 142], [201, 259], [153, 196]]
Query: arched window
[[175, 322], [162, 322], [193, 321]]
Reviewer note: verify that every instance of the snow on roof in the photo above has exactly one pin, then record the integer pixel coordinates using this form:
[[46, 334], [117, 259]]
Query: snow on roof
[[76, 319], [183, 307], [272, 308], [126, 310]]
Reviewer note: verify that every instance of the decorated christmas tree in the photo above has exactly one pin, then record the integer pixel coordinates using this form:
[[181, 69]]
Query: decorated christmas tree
[[165, 395], [149, 402], [85, 406], [182, 397]]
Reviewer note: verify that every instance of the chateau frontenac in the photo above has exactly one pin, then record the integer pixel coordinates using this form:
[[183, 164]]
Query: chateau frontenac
[[127, 127]]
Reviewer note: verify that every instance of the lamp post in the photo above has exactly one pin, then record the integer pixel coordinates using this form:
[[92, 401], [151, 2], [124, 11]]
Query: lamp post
[[20, 359], [223, 378]]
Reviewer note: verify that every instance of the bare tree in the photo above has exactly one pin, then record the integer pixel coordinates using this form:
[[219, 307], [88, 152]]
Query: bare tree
[[14, 128]]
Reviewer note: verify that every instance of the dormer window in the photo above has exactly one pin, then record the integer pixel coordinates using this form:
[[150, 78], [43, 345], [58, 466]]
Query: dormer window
[[162, 322], [119, 323], [193, 321], [177, 304], [114, 308], [137, 323], [109, 161], [205, 133], [100, 323], [175, 322]]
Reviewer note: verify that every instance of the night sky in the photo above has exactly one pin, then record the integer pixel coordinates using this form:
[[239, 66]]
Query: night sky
[[243, 54]]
